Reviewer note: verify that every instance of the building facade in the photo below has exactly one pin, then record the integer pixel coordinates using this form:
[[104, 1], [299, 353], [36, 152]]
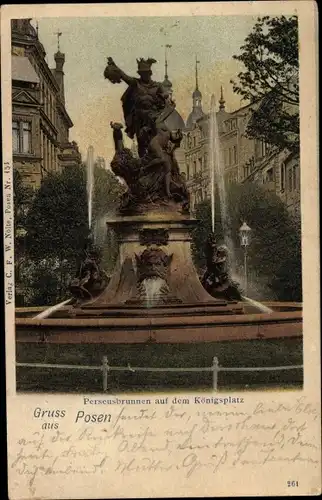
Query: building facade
[[243, 159], [40, 121]]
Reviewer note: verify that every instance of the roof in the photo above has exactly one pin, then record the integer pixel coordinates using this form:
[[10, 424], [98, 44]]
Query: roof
[[196, 93], [22, 70], [175, 121], [195, 115], [166, 83], [249, 105]]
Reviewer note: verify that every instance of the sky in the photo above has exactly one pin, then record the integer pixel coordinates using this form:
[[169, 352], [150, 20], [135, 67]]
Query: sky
[[92, 102]]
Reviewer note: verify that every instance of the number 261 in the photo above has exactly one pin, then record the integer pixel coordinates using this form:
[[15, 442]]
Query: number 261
[[292, 484]]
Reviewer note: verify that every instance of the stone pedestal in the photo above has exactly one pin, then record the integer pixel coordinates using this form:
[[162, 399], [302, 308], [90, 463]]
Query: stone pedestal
[[171, 234]]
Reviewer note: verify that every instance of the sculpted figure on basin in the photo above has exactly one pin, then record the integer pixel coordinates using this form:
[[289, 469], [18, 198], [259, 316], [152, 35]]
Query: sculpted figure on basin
[[216, 280]]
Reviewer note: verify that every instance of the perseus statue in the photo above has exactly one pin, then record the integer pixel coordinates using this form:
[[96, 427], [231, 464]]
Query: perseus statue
[[153, 178], [146, 104]]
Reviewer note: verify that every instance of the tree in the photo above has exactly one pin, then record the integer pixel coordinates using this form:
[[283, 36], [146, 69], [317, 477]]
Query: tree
[[57, 229], [57, 226], [271, 81], [202, 230], [22, 199], [107, 192], [42, 282], [275, 249], [57, 222]]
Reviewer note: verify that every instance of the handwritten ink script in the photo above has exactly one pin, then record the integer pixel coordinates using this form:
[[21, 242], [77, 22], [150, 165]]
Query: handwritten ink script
[[168, 439]]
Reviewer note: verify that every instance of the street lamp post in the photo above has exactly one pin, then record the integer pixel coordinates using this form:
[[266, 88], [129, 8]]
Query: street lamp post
[[244, 232]]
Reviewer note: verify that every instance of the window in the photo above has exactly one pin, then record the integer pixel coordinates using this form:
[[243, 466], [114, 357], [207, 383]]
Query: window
[[55, 158], [15, 136], [41, 143], [200, 164], [290, 180], [200, 195], [235, 154], [21, 137], [233, 124], [48, 155], [49, 105], [194, 140], [47, 102], [188, 171], [229, 160], [282, 176], [270, 175], [42, 86], [44, 158], [263, 148], [295, 183], [192, 202], [26, 137], [194, 168]]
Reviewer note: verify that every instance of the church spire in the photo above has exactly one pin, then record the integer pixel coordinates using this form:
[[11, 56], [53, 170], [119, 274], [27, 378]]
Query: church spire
[[197, 62], [196, 95], [196, 112], [167, 46], [58, 71], [166, 82], [221, 100], [59, 34]]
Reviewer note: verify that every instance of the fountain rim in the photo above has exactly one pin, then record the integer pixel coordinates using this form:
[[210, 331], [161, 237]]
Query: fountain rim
[[292, 305], [163, 321]]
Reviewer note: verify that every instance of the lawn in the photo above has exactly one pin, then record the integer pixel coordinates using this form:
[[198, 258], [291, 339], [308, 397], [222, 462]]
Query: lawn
[[251, 353]]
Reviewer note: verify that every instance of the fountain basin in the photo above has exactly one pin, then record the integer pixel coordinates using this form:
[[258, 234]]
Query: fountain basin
[[186, 329], [160, 339], [162, 325]]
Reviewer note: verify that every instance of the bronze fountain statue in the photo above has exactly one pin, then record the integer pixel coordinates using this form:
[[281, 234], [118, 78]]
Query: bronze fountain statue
[[217, 280], [153, 213], [153, 179], [90, 279]]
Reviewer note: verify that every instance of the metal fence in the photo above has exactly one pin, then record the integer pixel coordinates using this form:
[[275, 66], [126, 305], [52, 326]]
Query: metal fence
[[215, 368]]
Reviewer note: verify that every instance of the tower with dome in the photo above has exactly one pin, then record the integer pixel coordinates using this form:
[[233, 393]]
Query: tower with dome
[[177, 122], [197, 111]]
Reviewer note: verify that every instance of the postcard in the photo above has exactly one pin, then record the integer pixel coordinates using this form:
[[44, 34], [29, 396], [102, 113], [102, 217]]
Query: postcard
[[161, 236]]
